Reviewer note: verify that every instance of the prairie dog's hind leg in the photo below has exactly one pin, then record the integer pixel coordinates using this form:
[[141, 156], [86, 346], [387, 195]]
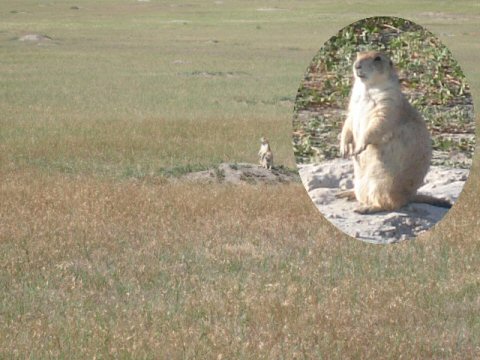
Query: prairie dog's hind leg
[[346, 194], [365, 209]]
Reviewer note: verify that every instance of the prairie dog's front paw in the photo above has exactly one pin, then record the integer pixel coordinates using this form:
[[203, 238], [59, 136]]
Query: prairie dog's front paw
[[361, 146], [346, 146], [346, 149]]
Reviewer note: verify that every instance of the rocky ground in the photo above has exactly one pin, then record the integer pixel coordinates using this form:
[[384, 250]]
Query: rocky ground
[[323, 181]]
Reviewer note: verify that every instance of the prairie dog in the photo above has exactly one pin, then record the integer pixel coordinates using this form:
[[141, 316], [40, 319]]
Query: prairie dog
[[265, 154], [387, 137]]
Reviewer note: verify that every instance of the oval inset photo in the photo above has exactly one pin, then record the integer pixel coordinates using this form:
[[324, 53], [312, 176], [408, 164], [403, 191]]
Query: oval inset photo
[[384, 130]]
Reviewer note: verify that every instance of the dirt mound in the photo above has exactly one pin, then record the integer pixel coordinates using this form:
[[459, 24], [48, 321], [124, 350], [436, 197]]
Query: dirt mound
[[238, 173]]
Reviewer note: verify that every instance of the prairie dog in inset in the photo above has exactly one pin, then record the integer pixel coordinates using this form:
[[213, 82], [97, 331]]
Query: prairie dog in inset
[[265, 154], [387, 137]]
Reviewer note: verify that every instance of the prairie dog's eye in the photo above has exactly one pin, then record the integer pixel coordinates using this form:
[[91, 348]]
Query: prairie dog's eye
[[378, 58]]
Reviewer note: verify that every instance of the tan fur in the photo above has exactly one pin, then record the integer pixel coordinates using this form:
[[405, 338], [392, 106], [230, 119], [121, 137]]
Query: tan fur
[[387, 137], [265, 154]]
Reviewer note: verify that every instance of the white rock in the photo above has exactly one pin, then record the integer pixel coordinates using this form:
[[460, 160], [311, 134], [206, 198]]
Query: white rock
[[323, 181]]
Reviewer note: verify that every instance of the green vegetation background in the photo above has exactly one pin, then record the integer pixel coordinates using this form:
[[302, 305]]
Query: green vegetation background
[[430, 76]]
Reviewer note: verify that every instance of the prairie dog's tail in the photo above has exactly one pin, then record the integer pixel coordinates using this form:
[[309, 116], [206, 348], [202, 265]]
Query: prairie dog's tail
[[428, 199]]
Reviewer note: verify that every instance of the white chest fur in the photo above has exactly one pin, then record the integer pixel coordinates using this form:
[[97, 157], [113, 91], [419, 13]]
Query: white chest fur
[[361, 104], [264, 148], [366, 103]]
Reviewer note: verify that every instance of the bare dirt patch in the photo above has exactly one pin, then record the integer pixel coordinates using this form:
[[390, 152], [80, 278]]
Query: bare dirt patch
[[35, 38]]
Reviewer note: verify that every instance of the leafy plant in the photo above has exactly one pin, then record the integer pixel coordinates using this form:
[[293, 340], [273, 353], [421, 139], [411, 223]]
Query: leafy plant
[[431, 79]]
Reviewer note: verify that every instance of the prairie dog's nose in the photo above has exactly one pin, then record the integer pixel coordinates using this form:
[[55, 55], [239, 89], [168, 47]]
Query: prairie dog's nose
[[358, 65]]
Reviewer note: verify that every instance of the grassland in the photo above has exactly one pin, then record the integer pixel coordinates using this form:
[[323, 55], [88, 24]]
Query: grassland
[[101, 257]]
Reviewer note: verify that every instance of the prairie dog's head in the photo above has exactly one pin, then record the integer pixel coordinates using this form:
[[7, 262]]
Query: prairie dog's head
[[263, 140], [374, 68]]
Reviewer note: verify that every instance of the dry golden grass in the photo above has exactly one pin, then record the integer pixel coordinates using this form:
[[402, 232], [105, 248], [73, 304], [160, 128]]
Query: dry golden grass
[[173, 270], [96, 264]]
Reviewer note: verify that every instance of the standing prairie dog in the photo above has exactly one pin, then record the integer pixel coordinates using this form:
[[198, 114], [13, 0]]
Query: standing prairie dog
[[265, 154], [387, 137]]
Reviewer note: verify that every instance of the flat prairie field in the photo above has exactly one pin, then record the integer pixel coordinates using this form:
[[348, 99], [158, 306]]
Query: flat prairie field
[[106, 253]]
